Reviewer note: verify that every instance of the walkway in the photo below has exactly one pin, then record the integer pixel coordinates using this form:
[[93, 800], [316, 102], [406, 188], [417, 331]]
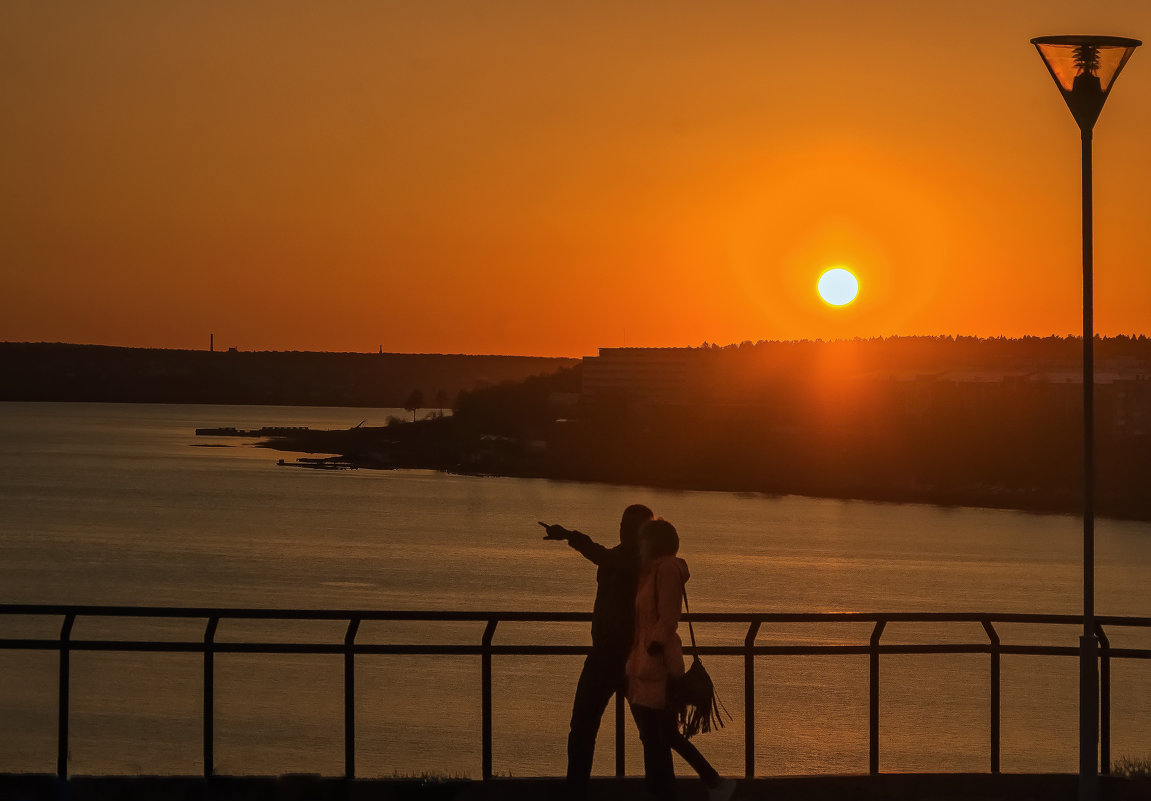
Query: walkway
[[884, 787]]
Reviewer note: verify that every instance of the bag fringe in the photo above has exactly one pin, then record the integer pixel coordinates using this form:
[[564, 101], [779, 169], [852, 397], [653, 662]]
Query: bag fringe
[[695, 718]]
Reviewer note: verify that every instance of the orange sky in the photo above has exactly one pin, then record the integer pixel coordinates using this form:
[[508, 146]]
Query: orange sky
[[550, 177]]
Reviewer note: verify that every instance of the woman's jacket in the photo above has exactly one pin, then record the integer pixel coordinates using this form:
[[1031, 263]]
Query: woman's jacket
[[658, 601]]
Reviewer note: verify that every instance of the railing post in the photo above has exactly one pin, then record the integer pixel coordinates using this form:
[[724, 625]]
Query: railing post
[[749, 700], [873, 740], [993, 636], [486, 697], [350, 698], [62, 724], [209, 694], [1104, 700], [619, 748]]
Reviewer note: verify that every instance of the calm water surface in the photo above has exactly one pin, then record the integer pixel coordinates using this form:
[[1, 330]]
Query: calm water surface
[[122, 504]]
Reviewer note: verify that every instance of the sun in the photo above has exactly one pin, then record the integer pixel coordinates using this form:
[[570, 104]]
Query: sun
[[838, 286]]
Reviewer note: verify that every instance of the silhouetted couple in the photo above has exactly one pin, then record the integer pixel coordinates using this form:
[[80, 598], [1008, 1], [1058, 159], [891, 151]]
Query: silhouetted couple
[[635, 649]]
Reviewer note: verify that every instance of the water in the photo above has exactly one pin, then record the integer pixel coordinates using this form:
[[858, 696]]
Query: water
[[122, 504]]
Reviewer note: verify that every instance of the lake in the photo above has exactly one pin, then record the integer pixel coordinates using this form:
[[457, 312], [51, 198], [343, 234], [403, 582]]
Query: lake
[[123, 504]]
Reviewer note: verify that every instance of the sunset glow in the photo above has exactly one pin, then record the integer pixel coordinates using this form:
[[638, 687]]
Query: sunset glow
[[427, 314], [527, 178]]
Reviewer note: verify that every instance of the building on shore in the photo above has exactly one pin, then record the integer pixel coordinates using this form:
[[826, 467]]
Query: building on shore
[[663, 375]]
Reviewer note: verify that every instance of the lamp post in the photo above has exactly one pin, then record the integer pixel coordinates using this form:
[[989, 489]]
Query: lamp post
[[1085, 69]]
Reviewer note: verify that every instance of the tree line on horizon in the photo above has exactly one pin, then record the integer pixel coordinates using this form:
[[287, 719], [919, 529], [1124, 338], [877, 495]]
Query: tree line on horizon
[[954, 351]]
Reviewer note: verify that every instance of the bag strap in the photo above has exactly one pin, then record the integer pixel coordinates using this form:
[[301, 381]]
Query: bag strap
[[690, 630], [686, 608]]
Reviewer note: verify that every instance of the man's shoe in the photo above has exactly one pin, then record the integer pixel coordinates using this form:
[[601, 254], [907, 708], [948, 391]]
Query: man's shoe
[[722, 791]]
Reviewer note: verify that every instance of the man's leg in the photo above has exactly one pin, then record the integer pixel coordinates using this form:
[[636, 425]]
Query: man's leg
[[598, 682]]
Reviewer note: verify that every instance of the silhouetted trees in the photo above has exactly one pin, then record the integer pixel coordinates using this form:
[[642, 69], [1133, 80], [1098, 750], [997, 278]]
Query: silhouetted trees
[[414, 401]]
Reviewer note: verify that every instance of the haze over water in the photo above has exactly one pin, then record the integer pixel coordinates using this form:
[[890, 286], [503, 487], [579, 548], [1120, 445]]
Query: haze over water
[[122, 504]]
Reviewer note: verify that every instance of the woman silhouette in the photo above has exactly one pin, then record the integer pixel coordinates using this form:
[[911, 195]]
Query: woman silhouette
[[656, 655]]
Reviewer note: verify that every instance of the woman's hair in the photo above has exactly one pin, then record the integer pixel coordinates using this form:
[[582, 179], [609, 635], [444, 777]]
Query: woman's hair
[[660, 536]]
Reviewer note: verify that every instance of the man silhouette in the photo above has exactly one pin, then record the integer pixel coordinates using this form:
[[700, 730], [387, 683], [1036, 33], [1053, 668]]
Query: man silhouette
[[612, 631]]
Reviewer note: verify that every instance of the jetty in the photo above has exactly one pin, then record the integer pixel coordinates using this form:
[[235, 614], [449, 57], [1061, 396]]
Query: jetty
[[317, 463], [265, 431]]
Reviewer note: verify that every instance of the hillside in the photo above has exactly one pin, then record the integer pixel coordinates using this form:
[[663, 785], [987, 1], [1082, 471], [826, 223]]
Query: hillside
[[61, 372]]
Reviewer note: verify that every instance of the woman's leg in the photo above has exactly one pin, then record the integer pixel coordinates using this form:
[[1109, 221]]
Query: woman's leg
[[683, 746], [655, 729]]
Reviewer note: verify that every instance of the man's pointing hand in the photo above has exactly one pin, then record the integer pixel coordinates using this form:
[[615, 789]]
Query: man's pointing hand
[[554, 532]]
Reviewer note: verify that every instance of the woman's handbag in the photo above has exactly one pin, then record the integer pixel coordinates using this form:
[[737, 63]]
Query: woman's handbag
[[693, 697]]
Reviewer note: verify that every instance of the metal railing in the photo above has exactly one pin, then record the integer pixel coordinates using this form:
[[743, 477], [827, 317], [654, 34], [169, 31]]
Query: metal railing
[[486, 649]]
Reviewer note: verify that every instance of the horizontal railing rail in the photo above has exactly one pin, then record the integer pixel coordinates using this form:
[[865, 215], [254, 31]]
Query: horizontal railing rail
[[208, 647]]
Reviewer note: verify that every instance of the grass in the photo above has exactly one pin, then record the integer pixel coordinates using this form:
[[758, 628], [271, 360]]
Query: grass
[[429, 778], [1132, 767]]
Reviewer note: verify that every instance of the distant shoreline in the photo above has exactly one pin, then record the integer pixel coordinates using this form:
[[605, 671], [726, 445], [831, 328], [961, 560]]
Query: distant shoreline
[[1002, 499], [53, 372]]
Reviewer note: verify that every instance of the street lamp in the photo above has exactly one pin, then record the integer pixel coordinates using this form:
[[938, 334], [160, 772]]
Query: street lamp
[[1085, 69]]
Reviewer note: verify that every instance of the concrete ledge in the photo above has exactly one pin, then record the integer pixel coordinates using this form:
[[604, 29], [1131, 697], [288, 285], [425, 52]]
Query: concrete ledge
[[884, 787]]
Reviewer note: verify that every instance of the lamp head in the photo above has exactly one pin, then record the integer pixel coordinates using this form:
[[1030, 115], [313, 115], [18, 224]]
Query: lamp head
[[1085, 69]]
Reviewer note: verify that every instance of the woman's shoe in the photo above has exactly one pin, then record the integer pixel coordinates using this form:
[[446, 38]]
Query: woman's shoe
[[722, 791]]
